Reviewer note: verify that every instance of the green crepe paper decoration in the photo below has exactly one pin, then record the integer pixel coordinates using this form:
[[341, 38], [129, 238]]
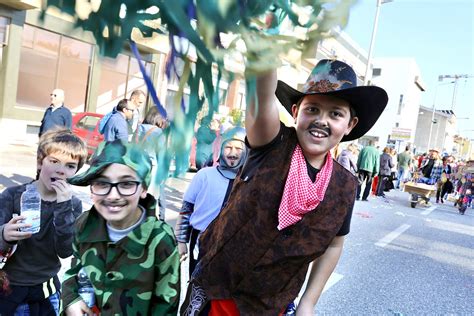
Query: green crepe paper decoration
[[241, 19]]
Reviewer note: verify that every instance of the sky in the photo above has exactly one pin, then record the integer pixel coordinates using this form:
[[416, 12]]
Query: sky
[[439, 34]]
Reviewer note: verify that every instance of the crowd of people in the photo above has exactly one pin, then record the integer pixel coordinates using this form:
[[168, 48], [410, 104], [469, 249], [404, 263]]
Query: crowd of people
[[242, 215], [380, 172]]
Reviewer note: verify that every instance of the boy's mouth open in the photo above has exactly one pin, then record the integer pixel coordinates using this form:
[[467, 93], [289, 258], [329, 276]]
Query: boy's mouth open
[[319, 133]]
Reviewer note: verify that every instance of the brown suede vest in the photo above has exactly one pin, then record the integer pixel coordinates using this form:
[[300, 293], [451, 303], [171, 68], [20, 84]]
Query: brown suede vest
[[247, 258]]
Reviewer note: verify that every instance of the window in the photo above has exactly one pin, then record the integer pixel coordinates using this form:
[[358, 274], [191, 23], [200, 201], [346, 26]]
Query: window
[[48, 61], [376, 72], [241, 101], [222, 96], [88, 122], [400, 104], [119, 77], [170, 100], [4, 23]]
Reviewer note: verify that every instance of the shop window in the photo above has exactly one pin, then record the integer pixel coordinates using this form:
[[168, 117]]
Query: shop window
[[49, 61], [4, 24], [120, 76], [170, 100]]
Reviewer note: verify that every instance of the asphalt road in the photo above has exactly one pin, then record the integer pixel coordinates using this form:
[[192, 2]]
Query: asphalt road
[[403, 261]]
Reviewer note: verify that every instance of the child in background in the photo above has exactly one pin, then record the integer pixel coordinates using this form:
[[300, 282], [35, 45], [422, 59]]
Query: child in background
[[32, 269], [129, 256]]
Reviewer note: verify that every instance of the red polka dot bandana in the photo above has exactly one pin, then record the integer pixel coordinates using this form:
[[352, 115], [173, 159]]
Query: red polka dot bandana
[[301, 195]]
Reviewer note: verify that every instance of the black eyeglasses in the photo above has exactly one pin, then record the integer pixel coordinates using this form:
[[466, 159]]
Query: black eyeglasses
[[124, 188]]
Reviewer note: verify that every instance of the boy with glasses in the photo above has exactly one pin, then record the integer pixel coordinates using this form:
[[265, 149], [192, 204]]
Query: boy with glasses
[[130, 256]]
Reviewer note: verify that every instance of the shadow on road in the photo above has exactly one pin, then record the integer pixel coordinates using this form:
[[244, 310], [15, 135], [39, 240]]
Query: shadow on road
[[13, 180]]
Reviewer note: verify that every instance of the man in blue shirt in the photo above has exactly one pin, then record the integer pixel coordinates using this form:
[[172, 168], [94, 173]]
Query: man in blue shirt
[[208, 193], [56, 114], [117, 127]]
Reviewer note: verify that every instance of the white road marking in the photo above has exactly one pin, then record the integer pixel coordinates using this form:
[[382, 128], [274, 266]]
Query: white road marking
[[429, 210], [391, 236], [333, 279]]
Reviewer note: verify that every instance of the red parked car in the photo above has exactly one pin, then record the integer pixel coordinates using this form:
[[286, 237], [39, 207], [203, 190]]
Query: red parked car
[[86, 126]]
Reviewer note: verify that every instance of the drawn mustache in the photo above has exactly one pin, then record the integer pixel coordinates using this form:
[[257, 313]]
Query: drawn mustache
[[317, 125]]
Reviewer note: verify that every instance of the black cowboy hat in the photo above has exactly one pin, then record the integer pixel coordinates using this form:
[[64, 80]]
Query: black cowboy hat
[[335, 78]]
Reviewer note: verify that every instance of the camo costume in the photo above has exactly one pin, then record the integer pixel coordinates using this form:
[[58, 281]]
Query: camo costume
[[122, 273], [137, 275]]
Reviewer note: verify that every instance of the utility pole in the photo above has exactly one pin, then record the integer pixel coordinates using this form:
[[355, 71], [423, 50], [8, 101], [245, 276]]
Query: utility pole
[[372, 40], [456, 79]]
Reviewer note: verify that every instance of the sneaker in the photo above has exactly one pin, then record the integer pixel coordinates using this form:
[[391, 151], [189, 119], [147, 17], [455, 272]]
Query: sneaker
[[365, 200]]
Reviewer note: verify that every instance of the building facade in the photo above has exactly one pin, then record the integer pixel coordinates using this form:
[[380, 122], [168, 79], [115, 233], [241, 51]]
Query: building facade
[[39, 55], [401, 78], [436, 131]]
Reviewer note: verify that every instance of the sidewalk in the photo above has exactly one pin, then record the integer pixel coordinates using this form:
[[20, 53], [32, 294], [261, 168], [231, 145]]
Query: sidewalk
[[17, 164]]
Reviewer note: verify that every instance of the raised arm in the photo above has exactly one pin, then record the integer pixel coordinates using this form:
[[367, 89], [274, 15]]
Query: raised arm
[[262, 122]]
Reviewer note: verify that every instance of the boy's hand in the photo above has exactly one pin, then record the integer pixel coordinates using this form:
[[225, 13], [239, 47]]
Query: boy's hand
[[11, 231], [79, 308], [63, 190], [183, 251]]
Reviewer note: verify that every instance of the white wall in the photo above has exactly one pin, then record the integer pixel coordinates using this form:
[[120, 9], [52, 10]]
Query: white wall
[[397, 78]]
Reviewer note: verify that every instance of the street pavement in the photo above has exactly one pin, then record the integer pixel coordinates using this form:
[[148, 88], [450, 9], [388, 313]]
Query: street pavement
[[397, 260]]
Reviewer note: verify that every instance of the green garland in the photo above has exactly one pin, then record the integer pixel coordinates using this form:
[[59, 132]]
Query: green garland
[[253, 25]]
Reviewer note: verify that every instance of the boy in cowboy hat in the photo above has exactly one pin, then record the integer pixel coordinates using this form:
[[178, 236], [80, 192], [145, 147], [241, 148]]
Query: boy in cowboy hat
[[291, 204]]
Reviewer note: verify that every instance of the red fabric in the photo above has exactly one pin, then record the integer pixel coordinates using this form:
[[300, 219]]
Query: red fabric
[[300, 194], [375, 182], [223, 308]]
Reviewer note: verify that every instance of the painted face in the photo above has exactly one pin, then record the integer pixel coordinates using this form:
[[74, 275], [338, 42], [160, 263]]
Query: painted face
[[321, 122], [120, 211], [232, 151], [54, 167]]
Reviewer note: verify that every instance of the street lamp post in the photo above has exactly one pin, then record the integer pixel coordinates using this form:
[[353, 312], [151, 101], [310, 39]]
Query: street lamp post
[[456, 78], [440, 78], [372, 40]]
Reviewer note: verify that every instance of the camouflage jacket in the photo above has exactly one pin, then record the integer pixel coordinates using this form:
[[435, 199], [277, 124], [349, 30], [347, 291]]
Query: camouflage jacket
[[138, 275]]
